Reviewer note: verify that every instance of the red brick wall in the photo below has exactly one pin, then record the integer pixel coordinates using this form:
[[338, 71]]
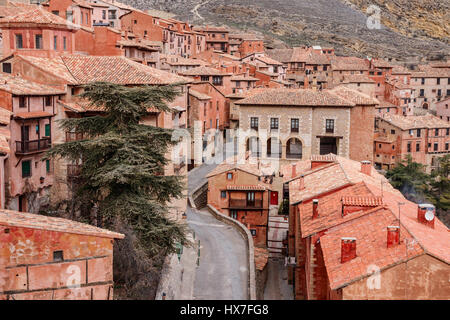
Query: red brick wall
[[361, 133], [30, 271]]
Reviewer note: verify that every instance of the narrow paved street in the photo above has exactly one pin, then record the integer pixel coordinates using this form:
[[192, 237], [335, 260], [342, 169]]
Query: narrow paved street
[[222, 273]]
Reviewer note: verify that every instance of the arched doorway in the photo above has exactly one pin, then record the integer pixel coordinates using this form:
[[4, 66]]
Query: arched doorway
[[253, 146], [294, 149], [274, 148]]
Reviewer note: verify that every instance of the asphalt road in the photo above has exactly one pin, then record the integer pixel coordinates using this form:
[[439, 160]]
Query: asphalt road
[[222, 273]]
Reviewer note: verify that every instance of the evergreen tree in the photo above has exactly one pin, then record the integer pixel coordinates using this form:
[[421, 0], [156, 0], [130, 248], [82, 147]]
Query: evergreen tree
[[411, 179], [440, 184], [123, 161]]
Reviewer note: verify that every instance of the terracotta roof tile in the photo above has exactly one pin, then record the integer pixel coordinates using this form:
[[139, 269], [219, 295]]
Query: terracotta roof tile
[[37, 221], [37, 15], [349, 64], [361, 201], [356, 97], [415, 122], [33, 115], [118, 70], [296, 97], [199, 95], [203, 71], [258, 187], [20, 86]]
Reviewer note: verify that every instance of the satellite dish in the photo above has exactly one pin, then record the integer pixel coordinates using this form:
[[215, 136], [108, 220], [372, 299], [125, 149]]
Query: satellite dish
[[429, 216]]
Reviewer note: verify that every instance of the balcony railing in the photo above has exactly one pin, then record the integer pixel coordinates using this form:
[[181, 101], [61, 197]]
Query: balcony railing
[[74, 136], [73, 171], [242, 203], [31, 146]]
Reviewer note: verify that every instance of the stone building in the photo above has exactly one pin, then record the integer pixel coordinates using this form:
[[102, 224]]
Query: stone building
[[287, 125]]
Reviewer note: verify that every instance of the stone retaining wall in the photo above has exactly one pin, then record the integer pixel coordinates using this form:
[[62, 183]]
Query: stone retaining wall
[[249, 244]]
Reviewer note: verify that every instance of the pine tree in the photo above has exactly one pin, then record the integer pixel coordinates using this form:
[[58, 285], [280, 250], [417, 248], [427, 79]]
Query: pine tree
[[123, 162], [411, 179]]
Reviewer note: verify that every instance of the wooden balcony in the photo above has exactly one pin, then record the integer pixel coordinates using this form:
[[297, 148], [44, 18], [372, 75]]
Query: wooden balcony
[[32, 146], [243, 203]]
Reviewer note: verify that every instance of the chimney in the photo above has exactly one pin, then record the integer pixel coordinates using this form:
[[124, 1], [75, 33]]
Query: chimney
[[315, 208], [425, 214], [348, 249], [366, 167], [294, 170], [393, 236], [301, 182]]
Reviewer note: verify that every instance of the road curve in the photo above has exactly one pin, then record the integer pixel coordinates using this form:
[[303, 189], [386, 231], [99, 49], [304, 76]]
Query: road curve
[[222, 273]]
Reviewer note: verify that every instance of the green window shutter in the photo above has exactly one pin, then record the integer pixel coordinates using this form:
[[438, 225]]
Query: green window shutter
[[47, 165], [37, 129], [26, 169], [47, 130]]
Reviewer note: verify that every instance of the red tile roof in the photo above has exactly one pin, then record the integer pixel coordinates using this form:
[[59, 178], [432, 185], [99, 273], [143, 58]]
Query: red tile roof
[[203, 71], [33, 115], [356, 97], [330, 210], [20, 86], [349, 64], [370, 231], [37, 221], [118, 70], [37, 15], [296, 97], [361, 201], [343, 172], [415, 122]]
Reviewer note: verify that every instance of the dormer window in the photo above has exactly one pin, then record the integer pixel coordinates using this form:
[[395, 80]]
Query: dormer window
[[229, 176]]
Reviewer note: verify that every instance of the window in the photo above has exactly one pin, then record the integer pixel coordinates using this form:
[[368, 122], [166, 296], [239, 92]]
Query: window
[[435, 147], [294, 125], [55, 12], [409, 147], [392, 131], [418, 147], [447, 131], [58, 255], [422, 92], [218, 81], [273, 123], [234, 214], [223, 194], [47, 130], [64, 43], [229, 176], [436, 132], [48, 101], [22, 102], [204, 78], [446, 146], [250, 198], [47, 165], [103, 14], [329, 126], [253, 231], [423, 81], [438, 81], [418, 133], [38, 41], [19, 41], [26, 168], [55, 42], [439, 92], [6, 67], [254, 123]]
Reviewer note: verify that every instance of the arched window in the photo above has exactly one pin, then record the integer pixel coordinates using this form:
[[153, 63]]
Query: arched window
[[294, 149], [274, 148], [254, 146]]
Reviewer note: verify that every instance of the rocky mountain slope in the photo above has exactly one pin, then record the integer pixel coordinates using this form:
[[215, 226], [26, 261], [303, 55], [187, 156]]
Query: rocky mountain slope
[[412, 30]]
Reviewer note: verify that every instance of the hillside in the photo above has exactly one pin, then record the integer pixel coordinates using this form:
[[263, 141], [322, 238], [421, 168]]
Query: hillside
[[420, 34]]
